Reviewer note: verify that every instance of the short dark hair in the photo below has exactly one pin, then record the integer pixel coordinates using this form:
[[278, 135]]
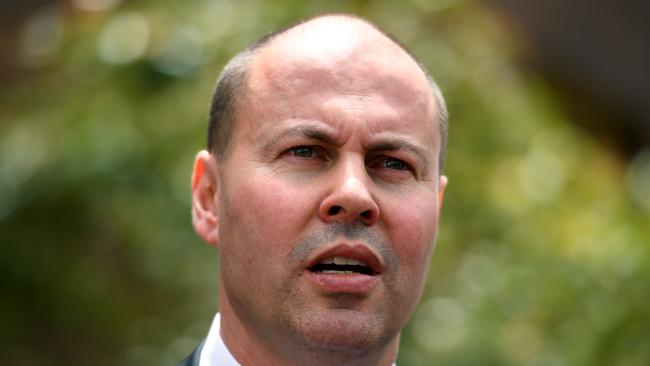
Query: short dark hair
[[223, 107], [228, 92]]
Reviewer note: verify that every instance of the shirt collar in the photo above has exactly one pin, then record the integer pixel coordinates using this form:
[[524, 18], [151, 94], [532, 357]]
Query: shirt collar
[[215, 352]]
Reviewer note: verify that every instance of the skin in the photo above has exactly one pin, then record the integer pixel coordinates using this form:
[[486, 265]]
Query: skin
[[337, 142]]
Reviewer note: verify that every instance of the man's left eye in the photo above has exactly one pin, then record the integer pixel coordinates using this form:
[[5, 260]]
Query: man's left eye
[[395, 164], [302, 151]]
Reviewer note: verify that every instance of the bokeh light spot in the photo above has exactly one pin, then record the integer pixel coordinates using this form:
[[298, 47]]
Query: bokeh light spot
[[182, 52], [42, 37], [541, 174], [440, 324], [95, 5], [124, 39], [638, 179]]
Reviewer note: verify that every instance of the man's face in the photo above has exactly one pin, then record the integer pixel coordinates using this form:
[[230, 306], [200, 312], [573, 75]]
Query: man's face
[[328, 200]]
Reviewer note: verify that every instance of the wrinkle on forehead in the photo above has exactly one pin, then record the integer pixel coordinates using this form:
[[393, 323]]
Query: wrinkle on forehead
[[339, 72], [392, 90]]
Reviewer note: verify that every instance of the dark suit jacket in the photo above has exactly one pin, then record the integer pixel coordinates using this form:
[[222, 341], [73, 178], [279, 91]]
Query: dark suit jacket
[[193, 358]]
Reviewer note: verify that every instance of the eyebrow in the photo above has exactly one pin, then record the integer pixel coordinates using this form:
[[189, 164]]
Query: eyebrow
[[317, 134], [400, 144], [308, 132]]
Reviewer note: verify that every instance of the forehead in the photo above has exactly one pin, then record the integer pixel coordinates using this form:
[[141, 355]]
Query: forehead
[[350, 69], [326, 51]]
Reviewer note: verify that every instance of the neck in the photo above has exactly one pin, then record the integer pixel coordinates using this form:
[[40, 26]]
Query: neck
[[249, 346]]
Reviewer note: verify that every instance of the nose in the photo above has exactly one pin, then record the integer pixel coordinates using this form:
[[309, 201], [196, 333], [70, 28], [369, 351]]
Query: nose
[[350, 199]]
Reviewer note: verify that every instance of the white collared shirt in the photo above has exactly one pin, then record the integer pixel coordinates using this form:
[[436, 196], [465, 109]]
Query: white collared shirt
[[215, 352]]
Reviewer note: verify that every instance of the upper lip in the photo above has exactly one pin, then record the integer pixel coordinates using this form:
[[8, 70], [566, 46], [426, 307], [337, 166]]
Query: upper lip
[[358, 251]]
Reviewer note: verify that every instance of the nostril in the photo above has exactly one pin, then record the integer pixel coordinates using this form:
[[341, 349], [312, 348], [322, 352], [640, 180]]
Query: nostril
[[334, 210], [367, 214]]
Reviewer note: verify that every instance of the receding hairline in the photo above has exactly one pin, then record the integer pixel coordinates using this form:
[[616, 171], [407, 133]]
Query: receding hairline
[[318, 23], [235, 75]]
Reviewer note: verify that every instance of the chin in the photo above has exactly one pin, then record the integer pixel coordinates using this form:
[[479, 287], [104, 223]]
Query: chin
[[342, 331]]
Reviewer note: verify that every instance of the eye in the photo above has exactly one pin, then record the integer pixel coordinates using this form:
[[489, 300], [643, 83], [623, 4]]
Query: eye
[[394, 164], [302, 151], [391, 168]]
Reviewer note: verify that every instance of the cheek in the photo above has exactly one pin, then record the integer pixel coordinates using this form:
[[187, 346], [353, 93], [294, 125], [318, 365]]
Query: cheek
[[414, 233], [269, 218]]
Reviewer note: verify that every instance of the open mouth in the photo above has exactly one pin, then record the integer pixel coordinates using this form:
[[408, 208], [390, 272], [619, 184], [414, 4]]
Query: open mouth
[[341, 265]]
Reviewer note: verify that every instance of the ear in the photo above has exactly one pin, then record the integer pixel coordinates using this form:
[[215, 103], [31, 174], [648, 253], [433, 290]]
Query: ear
[[205, 197], [441, 190]]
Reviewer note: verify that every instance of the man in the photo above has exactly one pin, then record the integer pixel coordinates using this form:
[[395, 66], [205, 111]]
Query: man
[[322, 190]]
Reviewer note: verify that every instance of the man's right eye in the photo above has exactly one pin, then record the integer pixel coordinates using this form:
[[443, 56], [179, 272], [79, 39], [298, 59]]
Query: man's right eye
[[302, 152]]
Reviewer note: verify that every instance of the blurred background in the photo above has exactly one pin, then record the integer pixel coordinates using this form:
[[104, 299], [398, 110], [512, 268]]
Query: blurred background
[[543, 255]]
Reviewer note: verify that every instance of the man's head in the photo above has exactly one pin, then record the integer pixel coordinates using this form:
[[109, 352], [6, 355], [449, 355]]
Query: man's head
[[230, 84], [322, 191]]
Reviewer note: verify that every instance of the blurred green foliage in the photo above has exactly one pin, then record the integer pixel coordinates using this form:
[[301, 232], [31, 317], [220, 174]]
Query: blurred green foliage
[[543, 255]]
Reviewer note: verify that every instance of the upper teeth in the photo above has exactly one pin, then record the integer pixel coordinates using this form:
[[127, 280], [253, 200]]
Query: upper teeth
[[343, 261]]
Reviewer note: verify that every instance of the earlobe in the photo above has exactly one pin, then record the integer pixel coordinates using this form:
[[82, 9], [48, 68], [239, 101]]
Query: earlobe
[[441, 190], [205, 189]]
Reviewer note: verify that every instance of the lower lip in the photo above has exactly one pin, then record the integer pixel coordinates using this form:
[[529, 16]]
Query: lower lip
[[343, 283]]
